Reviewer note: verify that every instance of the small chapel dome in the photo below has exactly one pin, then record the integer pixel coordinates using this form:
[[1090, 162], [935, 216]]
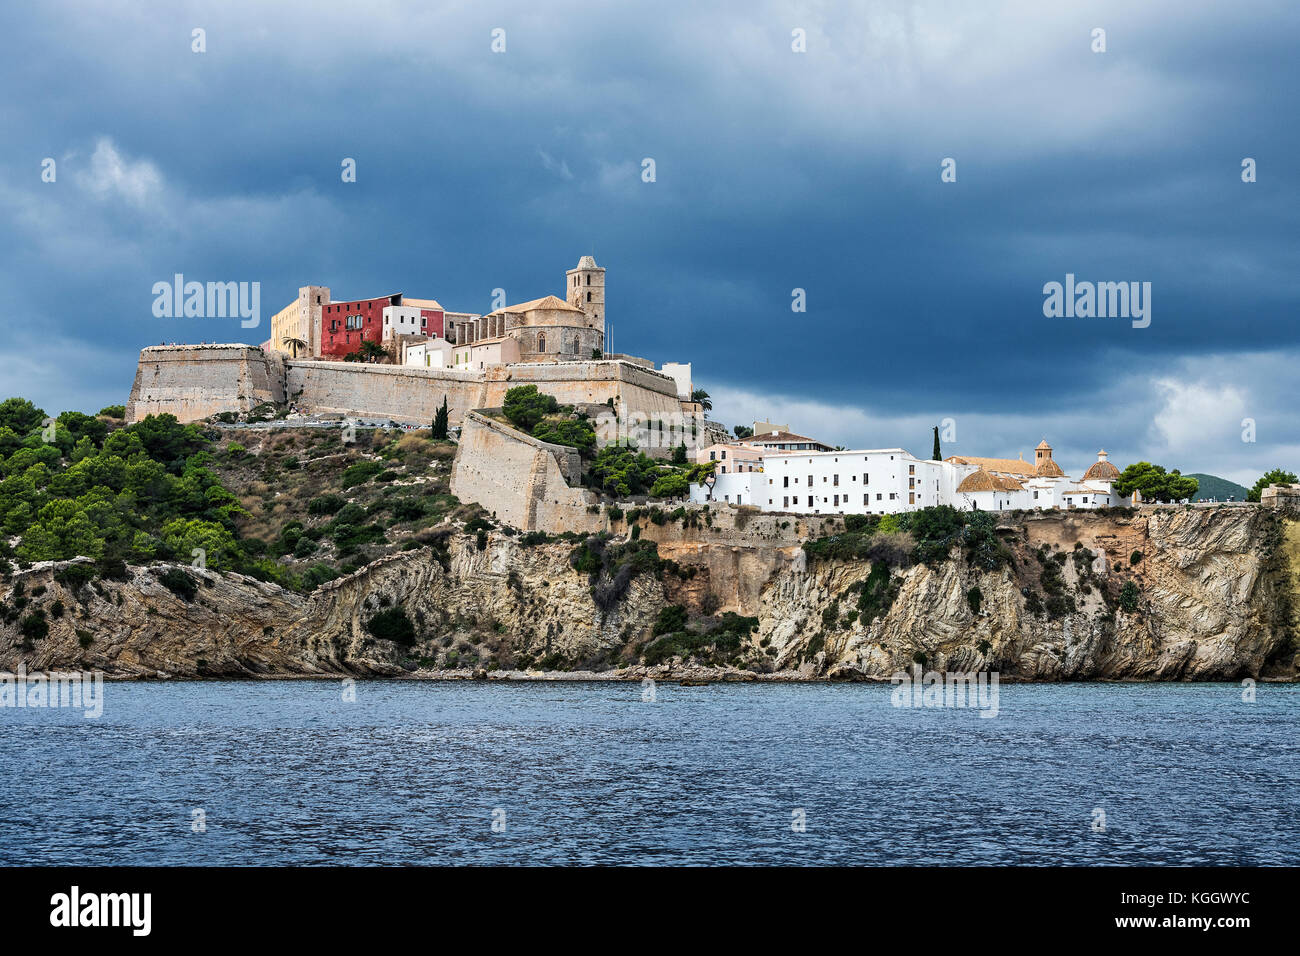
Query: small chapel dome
[[1101, 470]]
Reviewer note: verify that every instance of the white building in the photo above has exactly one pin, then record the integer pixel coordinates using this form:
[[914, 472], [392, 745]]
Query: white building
[[432, 353], [410, 318], [890, 480], [737, 488]]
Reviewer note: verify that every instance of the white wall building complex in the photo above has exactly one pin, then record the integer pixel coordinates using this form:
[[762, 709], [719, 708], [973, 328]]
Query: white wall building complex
[[890, 480]]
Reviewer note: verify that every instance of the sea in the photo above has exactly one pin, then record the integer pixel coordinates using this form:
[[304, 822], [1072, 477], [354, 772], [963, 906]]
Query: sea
[[412, 772]]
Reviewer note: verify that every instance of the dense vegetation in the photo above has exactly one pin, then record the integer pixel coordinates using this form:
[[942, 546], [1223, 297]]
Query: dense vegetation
[[619, 471], [923, 536], [299, 508]]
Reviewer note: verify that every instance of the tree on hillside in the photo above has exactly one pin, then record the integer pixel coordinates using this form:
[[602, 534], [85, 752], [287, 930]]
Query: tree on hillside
[[525, 406], [439, 431], [1275, 477], [702, 397], [937, 456], [743, 431], [1154, 483], [20, 415]]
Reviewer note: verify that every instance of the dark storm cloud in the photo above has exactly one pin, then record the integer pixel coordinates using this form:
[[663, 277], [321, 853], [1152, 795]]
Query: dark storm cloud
[[775, 171]]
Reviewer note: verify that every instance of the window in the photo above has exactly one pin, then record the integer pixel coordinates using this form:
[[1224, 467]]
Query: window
[[911, 498], [877, 496], [588, 296], [865, 498], [836, 482], [837, 500], [866, 478], [588, 283], [810, 501], [541, 342], [785, 501], [786, 481], [810, 481], [713, 456]]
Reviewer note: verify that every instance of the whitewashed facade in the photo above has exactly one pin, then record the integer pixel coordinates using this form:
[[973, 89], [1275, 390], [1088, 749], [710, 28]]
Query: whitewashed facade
[[891, 480]]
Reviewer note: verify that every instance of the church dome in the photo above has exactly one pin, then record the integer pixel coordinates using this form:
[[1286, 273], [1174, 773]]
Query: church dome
[[1047, 468], [977, 481], [1101, 470]]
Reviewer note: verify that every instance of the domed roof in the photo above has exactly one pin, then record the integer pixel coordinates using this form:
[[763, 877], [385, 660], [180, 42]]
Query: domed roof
[[1047, 468], [1101, 470], [981, 480], [977, 481]]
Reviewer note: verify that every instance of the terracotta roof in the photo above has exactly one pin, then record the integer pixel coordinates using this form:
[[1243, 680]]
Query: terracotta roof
[[421, 303], [982, 481], [1049, 469], [1013, 466], [545, 302], [780, 438], [1101, 470]]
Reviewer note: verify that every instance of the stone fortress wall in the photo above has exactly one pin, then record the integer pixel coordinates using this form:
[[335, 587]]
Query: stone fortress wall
[[193, 382], [524, 482]]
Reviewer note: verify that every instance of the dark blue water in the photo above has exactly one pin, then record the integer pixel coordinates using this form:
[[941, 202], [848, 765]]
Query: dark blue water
[[411, 772]]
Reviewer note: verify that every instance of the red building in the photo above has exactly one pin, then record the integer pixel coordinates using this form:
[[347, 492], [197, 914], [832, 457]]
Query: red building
[[345, 325]]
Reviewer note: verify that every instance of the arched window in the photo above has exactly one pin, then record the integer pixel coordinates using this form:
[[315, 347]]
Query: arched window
[[588, 278], [541, 342], [588, 296]]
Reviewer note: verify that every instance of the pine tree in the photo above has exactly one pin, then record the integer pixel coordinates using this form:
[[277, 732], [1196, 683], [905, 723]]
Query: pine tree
[[936, 456], [440, 422]]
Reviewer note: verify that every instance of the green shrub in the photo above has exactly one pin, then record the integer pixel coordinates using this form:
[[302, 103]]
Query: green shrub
[[179, 583], [325, 505], [392, 624], [1128, 596], [671, 618], [34, 626], [974, 597], [360, 473], [1135, 557]]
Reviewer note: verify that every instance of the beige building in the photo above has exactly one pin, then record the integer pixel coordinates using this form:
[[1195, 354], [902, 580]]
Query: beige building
[[300, 320], [731, 458], [475, 357]]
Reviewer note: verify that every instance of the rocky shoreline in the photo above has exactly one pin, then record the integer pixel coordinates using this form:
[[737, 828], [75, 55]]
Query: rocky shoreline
[[1216, 598]]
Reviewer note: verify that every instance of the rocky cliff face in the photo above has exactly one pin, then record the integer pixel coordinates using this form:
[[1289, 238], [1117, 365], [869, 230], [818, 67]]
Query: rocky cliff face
[[1211, 599]]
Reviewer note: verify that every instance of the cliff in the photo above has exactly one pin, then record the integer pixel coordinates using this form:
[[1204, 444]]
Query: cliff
[[1166, 594]]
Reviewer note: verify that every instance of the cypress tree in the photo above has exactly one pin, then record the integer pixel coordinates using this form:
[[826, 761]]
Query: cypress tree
[[936, 456], [440, 422]]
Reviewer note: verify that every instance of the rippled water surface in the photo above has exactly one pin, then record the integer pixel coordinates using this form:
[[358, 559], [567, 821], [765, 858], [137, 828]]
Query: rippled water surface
[[411, 773]]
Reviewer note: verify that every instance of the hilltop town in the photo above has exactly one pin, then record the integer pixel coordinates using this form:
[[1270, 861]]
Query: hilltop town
[[402, 359], [386, 486]]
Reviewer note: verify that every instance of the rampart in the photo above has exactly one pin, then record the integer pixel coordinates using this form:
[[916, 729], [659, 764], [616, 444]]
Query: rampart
[[195, 381], [523, 481]]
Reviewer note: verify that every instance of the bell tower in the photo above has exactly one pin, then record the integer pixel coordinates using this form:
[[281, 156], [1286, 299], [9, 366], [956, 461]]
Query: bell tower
[[584, 288]]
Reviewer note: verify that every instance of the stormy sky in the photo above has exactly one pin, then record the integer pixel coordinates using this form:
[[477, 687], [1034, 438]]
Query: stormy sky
[[774, 170]]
